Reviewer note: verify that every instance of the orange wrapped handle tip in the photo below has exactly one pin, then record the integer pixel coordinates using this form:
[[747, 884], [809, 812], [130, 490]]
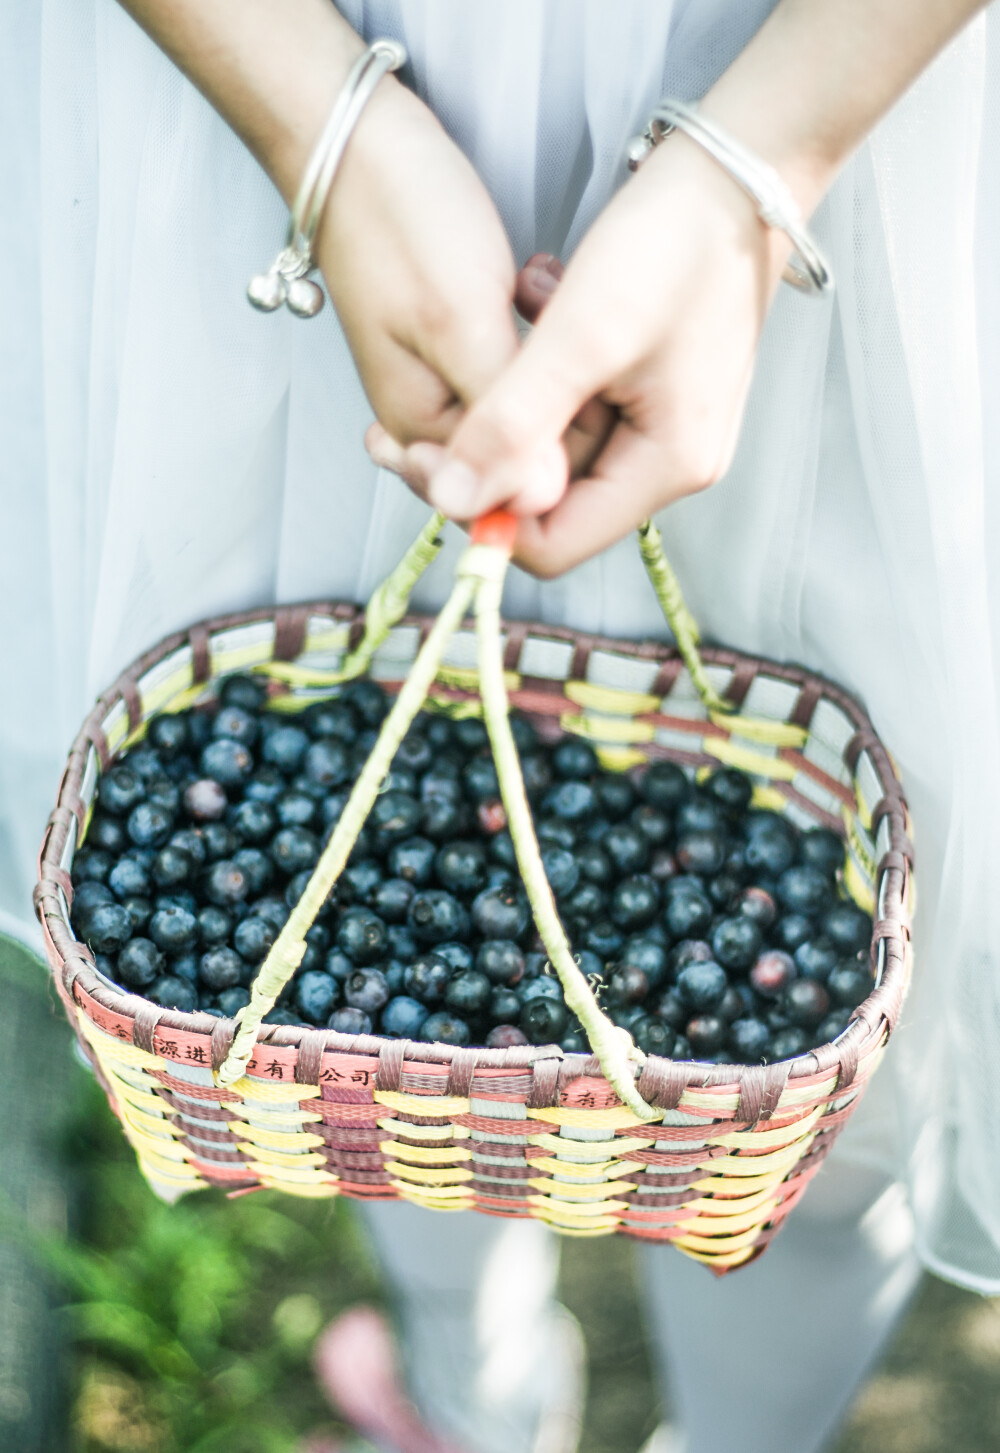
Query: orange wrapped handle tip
[[497, 528]]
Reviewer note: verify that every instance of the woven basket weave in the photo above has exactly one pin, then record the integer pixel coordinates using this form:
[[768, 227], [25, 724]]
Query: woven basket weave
[[525, 1131]]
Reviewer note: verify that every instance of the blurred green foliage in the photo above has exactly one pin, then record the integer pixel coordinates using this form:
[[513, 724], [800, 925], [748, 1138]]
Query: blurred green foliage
[[194, 1323]]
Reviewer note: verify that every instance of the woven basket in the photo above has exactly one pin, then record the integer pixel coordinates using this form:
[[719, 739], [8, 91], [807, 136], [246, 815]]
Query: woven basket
[[526, 1131]]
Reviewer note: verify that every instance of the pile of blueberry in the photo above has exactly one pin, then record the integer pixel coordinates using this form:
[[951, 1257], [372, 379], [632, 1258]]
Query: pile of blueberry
[[709, 929]]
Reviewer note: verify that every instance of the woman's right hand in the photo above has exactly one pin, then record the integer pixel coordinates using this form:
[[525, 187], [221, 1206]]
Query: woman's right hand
[[419, 269]]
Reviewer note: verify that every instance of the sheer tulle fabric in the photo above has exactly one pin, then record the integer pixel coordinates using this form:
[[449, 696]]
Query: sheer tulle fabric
[[191, 456]]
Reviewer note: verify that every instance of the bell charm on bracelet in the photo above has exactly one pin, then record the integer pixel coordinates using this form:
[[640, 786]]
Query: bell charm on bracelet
[[286, 282]]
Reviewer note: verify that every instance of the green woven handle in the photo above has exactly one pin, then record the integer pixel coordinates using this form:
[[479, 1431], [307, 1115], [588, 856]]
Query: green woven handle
[[479, 583]]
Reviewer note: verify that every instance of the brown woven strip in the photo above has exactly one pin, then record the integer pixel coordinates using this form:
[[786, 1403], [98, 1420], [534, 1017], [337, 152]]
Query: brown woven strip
[[743, 677], [463, 1067], [310, 1057], [290, 632], [95, 736], [390, 1064], [223, 1032], [517, 632], [201, 654], [147, 1016], [663, 1082], [863, 740], [809, 698], [544, 1083], [666, 677], [129, 693], [760, 1091]]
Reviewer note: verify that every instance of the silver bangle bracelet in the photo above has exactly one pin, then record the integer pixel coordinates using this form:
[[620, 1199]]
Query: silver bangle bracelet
[[286, 280], [807, 269]]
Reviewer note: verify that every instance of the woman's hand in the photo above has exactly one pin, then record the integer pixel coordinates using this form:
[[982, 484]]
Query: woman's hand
[[419, 270]]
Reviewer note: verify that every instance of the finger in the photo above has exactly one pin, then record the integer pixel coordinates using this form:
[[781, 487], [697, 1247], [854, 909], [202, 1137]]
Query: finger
[[467, 339], [536, 282]]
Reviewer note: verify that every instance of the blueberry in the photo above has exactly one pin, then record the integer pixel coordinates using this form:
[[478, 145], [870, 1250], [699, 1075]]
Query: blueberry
[[833, 1025], [504, 1006], [226, 761], [787, 1043], [149, 826], [191, 841], [653, 1036], [772, 973], [537, 774], [701, 814], [585, 904], [645, 954], [139, 963], [731, 789], [403, 1017], [327, 763], [254, 938], [604, 939], [367, 699], [848, 928], [146, 763], [278, 1015], [702, 985], [349, 1021], [804, 890], [757, 905], [748, 1038], [273, 910], [614, 794], [688, 911], [295, 887], [573, 759], [445, 1028], [139, 909], [220, 841], [171, 867], [543, 1020], [199, 725], [561, 869], [524, 734], [338, 965], [635, 902], [174, 930], [627, 848], [126, 878], [735, 941], [806, 1003], [205, 800], [555, 832], [361, 935], [546, 986], [120, 790], [505, 1036], [700, 851], [173, 993], [849, 985], [168, 734], [366, 989], [427, 978], [594, 864], [500, 912], [791, 930], [723, 890], [231, 1001], [653, 823], [706, 1033], [627, 985], [770, 846], [247, 692], [682, 1049], [480, 780], [221, 968], [284, 747], [306, 786], [225, 884], [257, 866], [733, 1005], [664, 785], [468, 992], [501, 961], [391, 899], [360, 882], [444, 818], [266, 785], [108, 834], [672, 1009], [333, 719], [185, 966], [461, 866], [181, 769], [294, 849], [443, 780], [253, 821], [688, 951], [823, 849], [456, 955], [165, 795], [413, 861], [236, 724], [471, 735], [816, 959], [570, 800]]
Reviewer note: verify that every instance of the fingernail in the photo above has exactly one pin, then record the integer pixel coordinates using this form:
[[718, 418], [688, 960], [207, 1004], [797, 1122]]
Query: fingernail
[[454, 488], [543, 280]]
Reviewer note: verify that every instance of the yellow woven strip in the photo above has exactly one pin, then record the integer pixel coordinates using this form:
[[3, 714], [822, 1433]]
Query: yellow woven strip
[[603, 1191], [751, 1165], [725, 1244], [734, 1258], [617, 1117], [574, 1212], [608, 728], [747, 760], [318, 1191], [287, 1160], [156, 1167], [447, 1106], [466, 678], [440, 1195], [586, 1150], [157, 1127], [288, 1140], [610, 699], [425, 1154], [272, 1092], [427, 1175], [143, 1099], [572, 1170], [293, 675], [768, 797], [275, 1120], [272, 1170], [725, 1206], [406, 1132], [116, 1050], [763, 1184], [761, 729], [759, 1139], [619, 759], [753, 1219], [858, 886], [472, 707], [601, 1228]]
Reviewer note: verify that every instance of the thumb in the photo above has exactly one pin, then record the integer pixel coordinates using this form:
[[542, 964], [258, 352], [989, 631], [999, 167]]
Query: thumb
[[508, 449]]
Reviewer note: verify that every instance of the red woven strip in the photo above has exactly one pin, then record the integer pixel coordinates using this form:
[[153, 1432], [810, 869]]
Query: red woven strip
[[822, 779], [195, 1092], [219, 1174], [333, 1113], [488, 1126]]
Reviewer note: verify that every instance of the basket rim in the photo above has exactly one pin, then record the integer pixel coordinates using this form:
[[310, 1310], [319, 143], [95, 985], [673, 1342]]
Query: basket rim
[[661, 1082]]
